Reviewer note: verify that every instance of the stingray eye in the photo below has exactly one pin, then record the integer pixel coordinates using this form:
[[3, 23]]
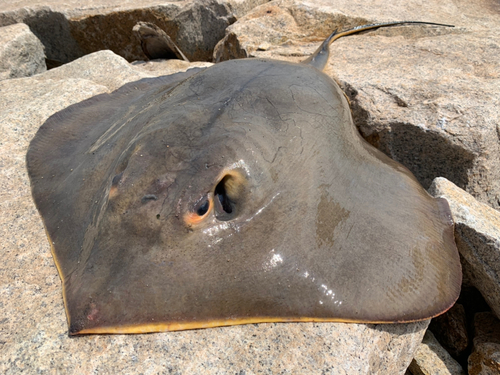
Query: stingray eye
[[199, 211], [227, 194], [203, 208]]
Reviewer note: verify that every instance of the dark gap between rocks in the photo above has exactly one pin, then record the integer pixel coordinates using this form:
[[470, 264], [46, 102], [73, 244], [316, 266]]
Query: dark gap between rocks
[[426, 153]]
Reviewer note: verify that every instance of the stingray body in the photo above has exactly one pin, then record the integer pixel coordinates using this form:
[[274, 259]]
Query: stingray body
[[241, 193]]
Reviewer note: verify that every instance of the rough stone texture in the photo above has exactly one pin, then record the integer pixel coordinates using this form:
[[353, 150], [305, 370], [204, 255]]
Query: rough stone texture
[[21, 53], [432, 359], [33, 330], [71, 29], [108, 69], [103, 68], [426, 96], [451, 330], [485, 358], [477, 233], [242, 7], [165, 67]]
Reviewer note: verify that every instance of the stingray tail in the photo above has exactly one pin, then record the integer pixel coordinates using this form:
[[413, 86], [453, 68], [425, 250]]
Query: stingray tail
[[320, 57]]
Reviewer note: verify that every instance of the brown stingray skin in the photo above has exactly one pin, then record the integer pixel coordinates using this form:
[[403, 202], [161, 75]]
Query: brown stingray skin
[[324, 227]]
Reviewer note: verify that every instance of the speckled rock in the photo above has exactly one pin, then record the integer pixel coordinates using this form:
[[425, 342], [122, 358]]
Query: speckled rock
[[70, 29], [432, 359], [477, 233], [451, 330], [21, 53], [103, 68], [485, 358], [292, 28], [112, 71], [242, 7], [426, 96], [164, 67], [34, 332]]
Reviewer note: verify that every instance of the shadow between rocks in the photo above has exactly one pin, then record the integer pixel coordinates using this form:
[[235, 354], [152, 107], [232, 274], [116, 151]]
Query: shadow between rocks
[[113, 31], [426, 153], [53, 30]]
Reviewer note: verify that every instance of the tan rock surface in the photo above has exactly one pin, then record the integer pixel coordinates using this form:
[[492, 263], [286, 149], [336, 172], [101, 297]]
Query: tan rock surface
[[86, 7], [164, 67], [33, 330], [112, 71], [21, 53], [426, 96], [432, 359], [103, 68], [477, 233]]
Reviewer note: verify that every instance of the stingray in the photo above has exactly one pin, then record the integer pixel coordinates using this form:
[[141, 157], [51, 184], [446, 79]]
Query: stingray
[[240, 193]]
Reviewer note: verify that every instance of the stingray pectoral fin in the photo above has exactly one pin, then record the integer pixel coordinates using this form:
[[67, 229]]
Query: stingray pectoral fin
[[71, 167]]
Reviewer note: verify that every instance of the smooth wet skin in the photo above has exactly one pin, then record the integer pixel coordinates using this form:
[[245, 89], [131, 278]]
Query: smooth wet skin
[[239, 193]]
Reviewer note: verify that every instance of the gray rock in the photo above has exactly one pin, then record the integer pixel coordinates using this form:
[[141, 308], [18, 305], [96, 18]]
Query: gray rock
[[112, 71], [34, 331], [103, 68], [432, 359], [451, 330], [165, 67], [426, 96], [241, 7], [477, 233], [292, 28], [21, 53], [271, 23], [485, 357], [71, 29]]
